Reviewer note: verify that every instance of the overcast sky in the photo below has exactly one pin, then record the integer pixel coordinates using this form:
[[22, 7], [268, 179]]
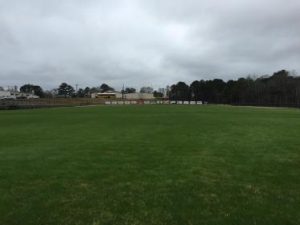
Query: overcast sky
[[145, 42]]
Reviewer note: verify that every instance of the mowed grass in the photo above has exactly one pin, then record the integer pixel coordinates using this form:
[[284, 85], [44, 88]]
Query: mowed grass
[[150, 165]]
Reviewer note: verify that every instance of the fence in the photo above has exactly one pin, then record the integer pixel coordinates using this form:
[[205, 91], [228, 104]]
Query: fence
[[61, 102], [44, 103]]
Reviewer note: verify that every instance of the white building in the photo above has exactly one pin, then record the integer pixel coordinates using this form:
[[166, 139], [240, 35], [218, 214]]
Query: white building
[[16, 95], [7, 95], [136, 96], [107, 95]]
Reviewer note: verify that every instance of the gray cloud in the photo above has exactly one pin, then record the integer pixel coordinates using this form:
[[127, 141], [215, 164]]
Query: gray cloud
[[139, 42]]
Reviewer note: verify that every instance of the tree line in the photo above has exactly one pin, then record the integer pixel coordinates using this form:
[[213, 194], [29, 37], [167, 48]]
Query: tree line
[[68, 91], [280, 89]]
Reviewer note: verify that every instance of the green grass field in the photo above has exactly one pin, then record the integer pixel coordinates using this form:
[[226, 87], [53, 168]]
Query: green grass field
[[150, 165]]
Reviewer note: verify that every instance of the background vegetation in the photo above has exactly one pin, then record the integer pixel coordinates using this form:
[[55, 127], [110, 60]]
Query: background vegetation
[[280, 89]]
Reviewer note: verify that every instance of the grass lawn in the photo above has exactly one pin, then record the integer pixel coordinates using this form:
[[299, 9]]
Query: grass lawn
[[150, 165]]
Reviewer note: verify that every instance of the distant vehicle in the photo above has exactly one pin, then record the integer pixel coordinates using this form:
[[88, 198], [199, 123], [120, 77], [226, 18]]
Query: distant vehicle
[[32, 97], [27, 96]]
